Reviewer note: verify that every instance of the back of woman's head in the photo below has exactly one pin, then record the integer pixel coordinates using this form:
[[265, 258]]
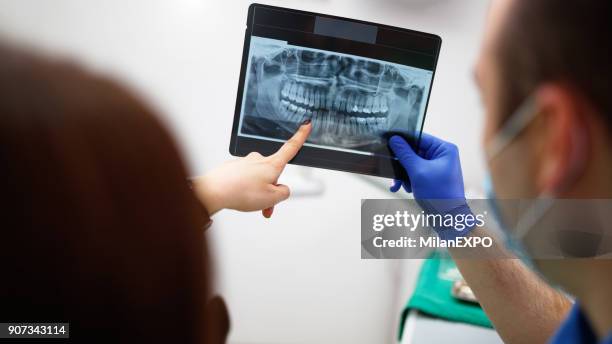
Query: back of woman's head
[[99, 227]]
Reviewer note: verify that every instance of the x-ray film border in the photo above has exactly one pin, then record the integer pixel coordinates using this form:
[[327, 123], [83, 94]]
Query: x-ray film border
[[285, 43], [244, 88], [317, 146]]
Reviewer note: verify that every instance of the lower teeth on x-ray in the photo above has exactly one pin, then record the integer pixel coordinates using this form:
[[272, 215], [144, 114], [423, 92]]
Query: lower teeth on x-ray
[[351, 101]]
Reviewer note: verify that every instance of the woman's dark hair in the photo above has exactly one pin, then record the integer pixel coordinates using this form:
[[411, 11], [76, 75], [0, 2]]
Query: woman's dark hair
[[557, 41], [99, 228]]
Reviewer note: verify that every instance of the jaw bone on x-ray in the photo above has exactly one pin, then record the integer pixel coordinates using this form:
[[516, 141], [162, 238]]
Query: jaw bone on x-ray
[[351, 101]]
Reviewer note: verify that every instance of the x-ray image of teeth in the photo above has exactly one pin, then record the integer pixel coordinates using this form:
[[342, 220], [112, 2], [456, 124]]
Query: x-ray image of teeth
[[351, 101]]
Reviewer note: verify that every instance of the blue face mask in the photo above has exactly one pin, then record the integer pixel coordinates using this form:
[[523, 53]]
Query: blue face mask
[[510, 241], [517, 122]]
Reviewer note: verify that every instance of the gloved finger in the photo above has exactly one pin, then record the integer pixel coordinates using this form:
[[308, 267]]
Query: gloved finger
[[267, 213], [279, 193], [429, 144], [404, 153], [396, 185]]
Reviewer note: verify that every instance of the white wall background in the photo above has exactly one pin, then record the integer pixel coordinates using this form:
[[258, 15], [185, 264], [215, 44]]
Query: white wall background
[[298, 277]]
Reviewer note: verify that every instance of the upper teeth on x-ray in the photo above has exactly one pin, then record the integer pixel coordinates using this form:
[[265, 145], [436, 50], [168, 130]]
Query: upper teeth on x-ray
[[351, 101]]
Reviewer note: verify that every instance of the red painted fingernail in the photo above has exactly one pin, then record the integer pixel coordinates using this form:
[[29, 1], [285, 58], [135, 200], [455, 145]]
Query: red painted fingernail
[[306, 121]]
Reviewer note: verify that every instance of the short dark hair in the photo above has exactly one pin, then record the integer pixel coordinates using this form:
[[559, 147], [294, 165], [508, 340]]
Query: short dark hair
[[563, 41]]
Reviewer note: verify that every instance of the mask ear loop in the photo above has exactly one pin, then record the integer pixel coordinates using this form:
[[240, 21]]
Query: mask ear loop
[[517, 122], [545, 202]]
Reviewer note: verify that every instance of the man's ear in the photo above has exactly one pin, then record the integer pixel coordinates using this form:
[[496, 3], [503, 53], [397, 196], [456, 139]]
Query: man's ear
[[564, 138]]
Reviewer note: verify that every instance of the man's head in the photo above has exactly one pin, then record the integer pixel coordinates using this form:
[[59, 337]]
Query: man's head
[[557, 54]]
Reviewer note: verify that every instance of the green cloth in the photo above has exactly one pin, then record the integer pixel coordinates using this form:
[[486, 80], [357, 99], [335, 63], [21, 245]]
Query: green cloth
[[432, 294]]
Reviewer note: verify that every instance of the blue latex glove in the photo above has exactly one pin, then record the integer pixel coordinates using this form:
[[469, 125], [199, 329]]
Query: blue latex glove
[[435, 176], [435, 173]]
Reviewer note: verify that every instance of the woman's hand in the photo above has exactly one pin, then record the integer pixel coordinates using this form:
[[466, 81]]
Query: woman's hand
[[250, 183]]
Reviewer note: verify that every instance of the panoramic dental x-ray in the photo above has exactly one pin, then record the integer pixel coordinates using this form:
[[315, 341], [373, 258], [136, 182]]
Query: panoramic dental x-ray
[[352, 101]]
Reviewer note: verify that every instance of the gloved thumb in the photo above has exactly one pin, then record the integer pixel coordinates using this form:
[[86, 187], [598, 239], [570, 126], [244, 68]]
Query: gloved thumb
[[404, 153]]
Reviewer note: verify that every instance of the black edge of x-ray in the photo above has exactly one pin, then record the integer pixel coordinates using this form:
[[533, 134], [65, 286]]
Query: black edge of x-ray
[[340, 35]]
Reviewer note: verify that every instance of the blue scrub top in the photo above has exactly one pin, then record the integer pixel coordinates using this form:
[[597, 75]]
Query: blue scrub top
[[576, 329]]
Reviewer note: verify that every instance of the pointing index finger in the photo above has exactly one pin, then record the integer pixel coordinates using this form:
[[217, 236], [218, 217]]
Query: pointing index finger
[[293, 145]]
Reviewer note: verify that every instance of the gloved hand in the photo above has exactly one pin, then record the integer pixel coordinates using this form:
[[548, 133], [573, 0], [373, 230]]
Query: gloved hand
[[435, 173], [435, 176]]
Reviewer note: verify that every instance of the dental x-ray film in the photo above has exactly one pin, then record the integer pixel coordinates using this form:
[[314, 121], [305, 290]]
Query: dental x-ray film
[[345, 76]]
